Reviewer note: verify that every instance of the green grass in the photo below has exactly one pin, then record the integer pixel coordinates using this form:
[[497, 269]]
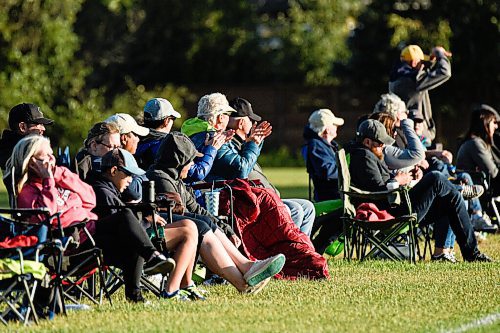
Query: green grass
[[291, 182], [374, 296]]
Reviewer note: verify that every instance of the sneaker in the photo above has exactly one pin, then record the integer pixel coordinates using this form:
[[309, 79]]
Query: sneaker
[[158, 264], [177, 295], [480, 257], [252, 290], [480, 236], [215, 280], [444, 257], [472, 191], [483, 223], [193, 293], [263, 269]]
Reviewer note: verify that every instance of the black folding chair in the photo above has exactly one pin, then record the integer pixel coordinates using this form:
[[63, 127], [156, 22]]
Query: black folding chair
[[367, 239]]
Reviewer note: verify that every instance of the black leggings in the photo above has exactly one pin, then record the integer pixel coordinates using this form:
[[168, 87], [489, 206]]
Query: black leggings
[[126, 245]]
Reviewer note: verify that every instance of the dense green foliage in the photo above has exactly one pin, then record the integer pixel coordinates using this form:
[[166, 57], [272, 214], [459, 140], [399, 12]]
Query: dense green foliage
[[81, 60]]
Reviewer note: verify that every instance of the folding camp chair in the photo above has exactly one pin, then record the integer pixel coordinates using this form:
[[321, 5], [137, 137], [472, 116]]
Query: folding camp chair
[[114, 278], [366, 239], [20, 269], [69, 267]]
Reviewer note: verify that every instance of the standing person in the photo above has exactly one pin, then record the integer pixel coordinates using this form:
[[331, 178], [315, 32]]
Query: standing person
[[412, 79], [24, 119], [125, 244], [320, 153]]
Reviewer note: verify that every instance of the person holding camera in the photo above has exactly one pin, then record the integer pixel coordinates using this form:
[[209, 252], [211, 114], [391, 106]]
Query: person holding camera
[[416, 74]]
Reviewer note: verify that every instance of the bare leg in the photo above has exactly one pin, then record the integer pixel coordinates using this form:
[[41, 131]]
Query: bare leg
[[242, 262], [219, 261], [181, 237]]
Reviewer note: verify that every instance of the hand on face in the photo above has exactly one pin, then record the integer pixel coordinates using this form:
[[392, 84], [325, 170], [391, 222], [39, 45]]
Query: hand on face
[[42, 168]]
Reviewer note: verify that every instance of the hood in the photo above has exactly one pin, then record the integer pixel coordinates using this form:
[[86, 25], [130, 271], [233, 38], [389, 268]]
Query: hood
[[195, 125], [176, 150]]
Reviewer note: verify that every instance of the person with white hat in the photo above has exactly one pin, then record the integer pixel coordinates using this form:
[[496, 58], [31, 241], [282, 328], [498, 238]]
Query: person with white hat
[[320, 153], [130, 132]]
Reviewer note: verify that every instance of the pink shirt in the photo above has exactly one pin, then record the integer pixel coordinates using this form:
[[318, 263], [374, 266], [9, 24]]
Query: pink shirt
[[65, 193]]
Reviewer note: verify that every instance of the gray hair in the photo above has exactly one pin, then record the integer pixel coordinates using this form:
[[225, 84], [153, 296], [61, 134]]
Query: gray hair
[[390, 103]]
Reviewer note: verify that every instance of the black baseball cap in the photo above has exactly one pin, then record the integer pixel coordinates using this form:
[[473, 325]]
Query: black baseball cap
[[243, 109], [375, 130], [28, 113]]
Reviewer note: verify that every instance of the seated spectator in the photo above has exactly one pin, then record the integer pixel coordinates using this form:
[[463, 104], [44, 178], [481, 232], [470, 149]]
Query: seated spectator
[[130, 132], [24, 119], [125, 244], [302, 211], [102, 137], [181, 237], [320, 153], [172, 163], [236, 158], [475, 152], [159, 116], [432, 196]]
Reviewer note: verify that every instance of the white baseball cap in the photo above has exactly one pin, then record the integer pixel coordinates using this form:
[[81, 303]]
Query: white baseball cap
[[126, 123], [324, 117], [159, 109]]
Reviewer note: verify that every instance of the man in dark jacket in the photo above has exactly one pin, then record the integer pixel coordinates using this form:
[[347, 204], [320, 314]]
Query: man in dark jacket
[[24, 119], [432, 196], [412, 79], [320, 153]]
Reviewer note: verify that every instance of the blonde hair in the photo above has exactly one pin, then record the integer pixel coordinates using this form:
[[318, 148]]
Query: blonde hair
[[20, 158]]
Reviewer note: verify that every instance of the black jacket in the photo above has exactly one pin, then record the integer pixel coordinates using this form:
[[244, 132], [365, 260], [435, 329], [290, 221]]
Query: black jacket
[[106, 194], [7, 142], [367, 171]]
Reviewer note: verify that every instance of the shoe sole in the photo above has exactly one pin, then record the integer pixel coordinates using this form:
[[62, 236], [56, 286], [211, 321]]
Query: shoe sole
[[163, 267], [258, 287], [269, 271]]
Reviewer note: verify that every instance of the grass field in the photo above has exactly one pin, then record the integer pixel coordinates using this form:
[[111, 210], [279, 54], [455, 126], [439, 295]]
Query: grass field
[[375, 296]]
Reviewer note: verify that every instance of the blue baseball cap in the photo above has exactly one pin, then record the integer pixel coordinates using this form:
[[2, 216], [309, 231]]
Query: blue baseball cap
[[159, 109], [122, 159]]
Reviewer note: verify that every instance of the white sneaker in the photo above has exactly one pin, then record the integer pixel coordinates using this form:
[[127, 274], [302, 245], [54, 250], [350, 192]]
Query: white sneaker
[[257, 288], [482, 223], [263, 269]]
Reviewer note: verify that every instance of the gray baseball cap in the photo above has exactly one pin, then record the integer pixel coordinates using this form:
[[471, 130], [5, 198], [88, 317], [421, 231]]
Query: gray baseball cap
[[375, 130]]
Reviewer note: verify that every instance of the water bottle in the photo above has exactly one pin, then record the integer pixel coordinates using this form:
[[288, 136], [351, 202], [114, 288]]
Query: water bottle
[[148, 191]]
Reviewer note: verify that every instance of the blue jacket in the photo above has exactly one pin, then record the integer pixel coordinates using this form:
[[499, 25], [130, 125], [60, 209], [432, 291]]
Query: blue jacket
[[148, 147], [230, 162], [320, 157]]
